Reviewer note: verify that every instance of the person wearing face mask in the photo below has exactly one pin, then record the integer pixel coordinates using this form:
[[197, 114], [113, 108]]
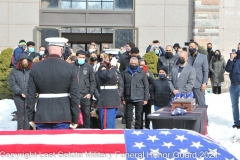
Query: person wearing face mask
[[182, 78], [159, 51], [93, 60], [169, 60], [200, 63], [175, 47], [17, 51], [233, 67], [147, 108], [179, 50], [217, 68], [30, 51], [124, 55], [91, 48], [18, 81], [124, 63], [87, 85], [160, 90], [135, 93], [110, 88], [41, 52]]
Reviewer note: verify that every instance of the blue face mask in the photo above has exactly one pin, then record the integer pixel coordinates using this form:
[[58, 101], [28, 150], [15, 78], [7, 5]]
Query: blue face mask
[[91, 50], [156, 51], [41, 52], [162, 76], [81, 61], [31, 50], [121, 52]]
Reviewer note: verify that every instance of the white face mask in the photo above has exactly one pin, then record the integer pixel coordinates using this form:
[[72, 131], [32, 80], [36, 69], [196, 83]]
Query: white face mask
[[0, 52]]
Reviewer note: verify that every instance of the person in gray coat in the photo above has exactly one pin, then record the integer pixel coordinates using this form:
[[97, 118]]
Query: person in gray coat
[[18, 80], [217, 68], [183, 76], [200, 63], [169, 60]]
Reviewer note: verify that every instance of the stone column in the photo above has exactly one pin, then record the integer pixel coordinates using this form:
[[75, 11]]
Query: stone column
[[206, 22]]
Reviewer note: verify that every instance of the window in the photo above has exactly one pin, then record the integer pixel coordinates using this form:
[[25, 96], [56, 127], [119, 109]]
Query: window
[[124, 4], [50, 4], [100, 4], [73, 4], [88, 4]]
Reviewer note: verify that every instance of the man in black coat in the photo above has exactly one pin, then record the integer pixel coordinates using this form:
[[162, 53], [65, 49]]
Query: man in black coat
[[87, 85], [56, 83], [30, 51], [124, 63], [135, 93]]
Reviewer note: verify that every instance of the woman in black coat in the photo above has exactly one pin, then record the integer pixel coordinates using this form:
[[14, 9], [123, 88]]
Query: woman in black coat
[[18, 80]]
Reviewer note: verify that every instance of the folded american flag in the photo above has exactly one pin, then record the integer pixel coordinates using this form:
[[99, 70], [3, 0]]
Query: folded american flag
[[163, 144], [178, 111]]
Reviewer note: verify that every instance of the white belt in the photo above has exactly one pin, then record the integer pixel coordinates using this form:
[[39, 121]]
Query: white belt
[[52, 95], [108, 87]]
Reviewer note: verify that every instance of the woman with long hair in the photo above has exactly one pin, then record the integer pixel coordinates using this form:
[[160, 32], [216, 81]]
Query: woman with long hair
[[93, 60], [217, 68], [18, 80]]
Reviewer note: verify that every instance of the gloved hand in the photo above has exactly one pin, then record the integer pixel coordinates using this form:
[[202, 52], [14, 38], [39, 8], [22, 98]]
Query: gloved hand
[[73, 126], [33, 125], [113, 61]]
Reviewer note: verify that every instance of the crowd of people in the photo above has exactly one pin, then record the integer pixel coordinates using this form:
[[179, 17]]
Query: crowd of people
[[53, 86]]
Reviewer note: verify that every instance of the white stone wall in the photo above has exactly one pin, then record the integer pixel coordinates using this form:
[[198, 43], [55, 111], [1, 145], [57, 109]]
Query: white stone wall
[[169, 21], [229, 27], [17, 21]]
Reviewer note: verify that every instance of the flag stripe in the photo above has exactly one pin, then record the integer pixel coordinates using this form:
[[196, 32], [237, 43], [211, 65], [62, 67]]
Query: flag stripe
[[82, 156], [63, 139], [62, 149], [67, 131]]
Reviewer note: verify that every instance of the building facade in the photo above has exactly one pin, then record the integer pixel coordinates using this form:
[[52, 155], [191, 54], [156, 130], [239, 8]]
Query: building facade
[[116, 22]]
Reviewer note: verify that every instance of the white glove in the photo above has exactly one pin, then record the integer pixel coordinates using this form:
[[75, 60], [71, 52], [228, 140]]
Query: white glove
[[73, 126], [33, 125], [113, 61]]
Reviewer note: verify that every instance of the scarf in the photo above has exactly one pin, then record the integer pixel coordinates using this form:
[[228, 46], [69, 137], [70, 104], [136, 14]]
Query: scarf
[[133, 71]]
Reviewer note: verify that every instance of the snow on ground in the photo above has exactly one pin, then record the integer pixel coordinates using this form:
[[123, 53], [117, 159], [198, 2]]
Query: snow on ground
[[219, 113], [221, 121], [7, 106]]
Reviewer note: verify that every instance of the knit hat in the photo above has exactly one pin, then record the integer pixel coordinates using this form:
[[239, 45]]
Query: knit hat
[[22, 42], [164, 69]]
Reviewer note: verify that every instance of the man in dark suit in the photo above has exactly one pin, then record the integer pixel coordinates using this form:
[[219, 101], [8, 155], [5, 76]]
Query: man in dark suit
[[56, 83], [200, 63], [183, 75]]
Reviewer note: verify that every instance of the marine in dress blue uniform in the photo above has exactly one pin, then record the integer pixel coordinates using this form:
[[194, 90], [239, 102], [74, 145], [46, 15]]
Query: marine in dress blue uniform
[[56, 83], [111, 87]]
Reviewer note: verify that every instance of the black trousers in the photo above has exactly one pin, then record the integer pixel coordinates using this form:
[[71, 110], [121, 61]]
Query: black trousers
[[85, 109], [147, 111], [22, 119], [138, 114]]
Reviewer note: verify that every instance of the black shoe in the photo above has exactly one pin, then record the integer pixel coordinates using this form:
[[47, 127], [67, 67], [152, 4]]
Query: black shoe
[[236, 126]]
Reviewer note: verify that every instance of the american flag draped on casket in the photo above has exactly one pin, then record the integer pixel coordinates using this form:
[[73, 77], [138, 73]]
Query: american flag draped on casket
[[160, 144]]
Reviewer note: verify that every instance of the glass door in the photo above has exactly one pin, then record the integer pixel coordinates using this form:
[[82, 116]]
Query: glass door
[[122, 36], [41, 33]]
